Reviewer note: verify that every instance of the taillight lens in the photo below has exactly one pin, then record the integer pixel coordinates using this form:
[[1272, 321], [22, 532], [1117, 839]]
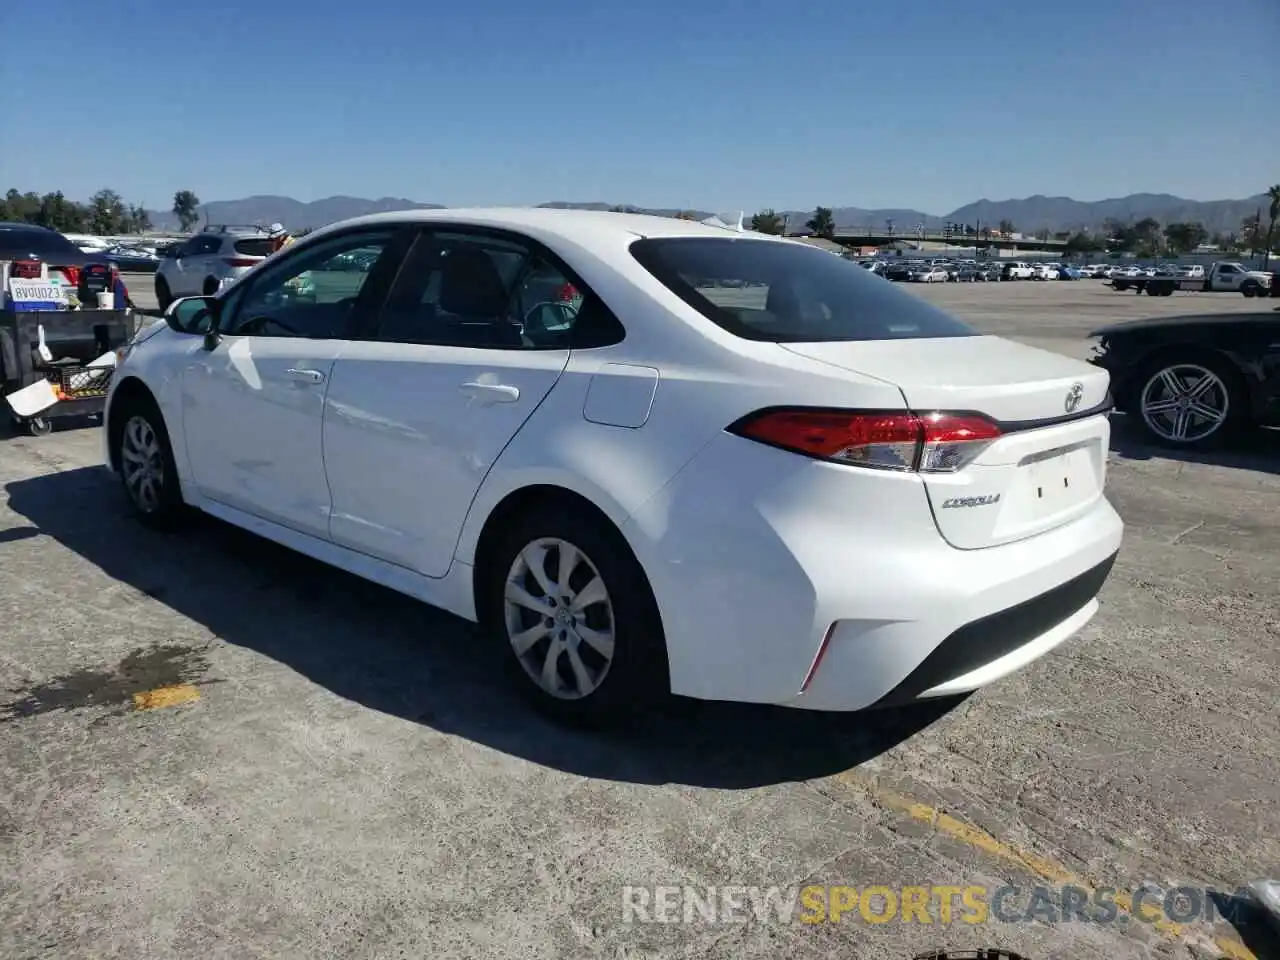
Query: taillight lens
[[72, 274], [883, 440], [240, 261]]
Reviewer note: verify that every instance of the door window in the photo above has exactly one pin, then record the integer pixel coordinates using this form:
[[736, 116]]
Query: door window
[[310, 293], [477, 290]]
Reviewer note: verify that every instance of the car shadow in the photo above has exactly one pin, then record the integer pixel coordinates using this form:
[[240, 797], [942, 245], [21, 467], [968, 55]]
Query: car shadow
[[1257, 449], [390, 653]]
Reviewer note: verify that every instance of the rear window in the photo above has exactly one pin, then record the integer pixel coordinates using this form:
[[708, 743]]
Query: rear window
[[788, 292], [255, 247], [21, 242]]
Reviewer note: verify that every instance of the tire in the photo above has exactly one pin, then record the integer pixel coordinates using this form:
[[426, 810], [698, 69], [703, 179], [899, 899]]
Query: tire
[[1229, 396], [39, 426], [164, 296], [618, 686], [154, 493], [1250, 288]]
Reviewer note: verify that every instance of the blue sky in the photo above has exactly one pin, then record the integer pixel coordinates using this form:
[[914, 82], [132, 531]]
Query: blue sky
[[715, 104]]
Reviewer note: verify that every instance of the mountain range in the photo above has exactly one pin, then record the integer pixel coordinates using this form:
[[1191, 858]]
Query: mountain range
[[1027, 215]]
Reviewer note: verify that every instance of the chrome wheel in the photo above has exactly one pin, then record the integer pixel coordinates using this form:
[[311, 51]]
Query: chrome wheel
[[142, 464], [1185, 403], [559, 618]]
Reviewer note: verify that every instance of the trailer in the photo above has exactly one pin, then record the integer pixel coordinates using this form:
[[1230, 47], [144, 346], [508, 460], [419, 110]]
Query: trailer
[[1222, 277]]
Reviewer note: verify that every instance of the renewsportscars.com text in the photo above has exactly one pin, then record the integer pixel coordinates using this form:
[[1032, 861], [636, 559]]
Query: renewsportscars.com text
[[940, 904]]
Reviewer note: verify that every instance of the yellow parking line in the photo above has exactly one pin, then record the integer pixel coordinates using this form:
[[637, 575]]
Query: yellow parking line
[[1042, 867], [170, 696]]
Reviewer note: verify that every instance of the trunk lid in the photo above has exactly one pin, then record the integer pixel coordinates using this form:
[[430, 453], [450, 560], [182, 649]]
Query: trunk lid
[[1049, 465]]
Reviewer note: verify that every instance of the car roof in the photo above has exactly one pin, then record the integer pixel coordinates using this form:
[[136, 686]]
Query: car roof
[[575, 226]]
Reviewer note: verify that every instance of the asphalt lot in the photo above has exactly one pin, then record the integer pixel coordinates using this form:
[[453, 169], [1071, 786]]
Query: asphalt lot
[[329, 769]]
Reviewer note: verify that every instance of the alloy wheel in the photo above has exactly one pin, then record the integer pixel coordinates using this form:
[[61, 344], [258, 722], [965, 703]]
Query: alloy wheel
[[142, 464], [1185, 403], [559, 618]]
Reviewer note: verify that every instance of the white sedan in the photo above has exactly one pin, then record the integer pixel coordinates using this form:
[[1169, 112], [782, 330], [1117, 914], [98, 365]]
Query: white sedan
[[646, 455], [930, 274]]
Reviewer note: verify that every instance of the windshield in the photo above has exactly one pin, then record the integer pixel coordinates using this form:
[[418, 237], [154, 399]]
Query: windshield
[[17, 243], [787, 292]]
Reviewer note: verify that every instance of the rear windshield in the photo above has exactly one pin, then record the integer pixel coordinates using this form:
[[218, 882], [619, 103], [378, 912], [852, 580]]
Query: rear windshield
[[256, 247], [788, 292]]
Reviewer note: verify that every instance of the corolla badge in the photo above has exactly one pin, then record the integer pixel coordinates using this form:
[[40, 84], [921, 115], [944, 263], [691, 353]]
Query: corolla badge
[[1074, 396]]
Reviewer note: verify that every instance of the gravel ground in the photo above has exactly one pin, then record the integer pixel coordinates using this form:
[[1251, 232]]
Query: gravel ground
[[329, 769]]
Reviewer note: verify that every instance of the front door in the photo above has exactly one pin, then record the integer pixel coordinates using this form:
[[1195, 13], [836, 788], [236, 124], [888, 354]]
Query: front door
[[474, 335], [253, 406]]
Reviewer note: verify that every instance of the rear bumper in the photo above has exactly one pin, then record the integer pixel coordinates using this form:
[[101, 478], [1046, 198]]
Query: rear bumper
[[756, 555]]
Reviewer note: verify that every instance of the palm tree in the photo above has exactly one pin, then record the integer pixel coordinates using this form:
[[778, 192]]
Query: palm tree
[[1274, 196], [822, 223]]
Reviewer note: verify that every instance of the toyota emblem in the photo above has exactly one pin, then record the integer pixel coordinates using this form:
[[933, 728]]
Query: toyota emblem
[[1074, 396]]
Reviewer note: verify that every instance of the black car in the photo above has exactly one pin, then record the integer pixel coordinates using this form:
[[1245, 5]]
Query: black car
[[898, 272], [26, 241], [1193, 381]]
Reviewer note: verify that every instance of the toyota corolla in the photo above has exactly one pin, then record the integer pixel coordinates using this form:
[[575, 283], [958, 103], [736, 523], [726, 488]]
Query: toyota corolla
[[646, 455]]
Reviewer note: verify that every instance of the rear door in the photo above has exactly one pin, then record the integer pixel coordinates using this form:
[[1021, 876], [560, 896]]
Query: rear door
[[190, 266], [1049, 465], [474, 335]]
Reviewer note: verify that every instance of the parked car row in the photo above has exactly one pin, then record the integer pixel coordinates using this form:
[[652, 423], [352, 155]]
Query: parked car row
[[970, 271]]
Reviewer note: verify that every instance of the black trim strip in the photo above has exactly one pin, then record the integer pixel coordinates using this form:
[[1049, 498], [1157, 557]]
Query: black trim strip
[[987, 639]]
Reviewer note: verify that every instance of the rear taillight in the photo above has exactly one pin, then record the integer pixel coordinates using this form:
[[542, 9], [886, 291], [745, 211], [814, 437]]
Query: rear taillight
[[883, 440], [240, 261], [72, 274]]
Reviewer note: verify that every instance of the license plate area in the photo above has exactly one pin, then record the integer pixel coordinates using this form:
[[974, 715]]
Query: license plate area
[[1052, 484]]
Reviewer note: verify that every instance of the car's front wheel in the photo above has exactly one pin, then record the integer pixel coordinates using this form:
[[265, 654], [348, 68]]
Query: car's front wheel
[[1192, 402], [572, 616], [146, 463]]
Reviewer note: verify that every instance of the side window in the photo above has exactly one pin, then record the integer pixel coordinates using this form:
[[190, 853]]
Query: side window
[[477, 290], [310, 293]]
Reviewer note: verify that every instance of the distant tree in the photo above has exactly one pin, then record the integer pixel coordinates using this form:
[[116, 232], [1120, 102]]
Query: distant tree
[[767, 221], [186, 207], [1251, 233], [1006, 227], [1084, 243], [58, 213], [822, 223], [1273, 194], [107, 212], [1147, 232], [22, 207], [139, 219], [1184, 237], [1042, 234]]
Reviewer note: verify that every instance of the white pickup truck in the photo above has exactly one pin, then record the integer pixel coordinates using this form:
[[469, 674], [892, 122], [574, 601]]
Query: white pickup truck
[[1225, 276]]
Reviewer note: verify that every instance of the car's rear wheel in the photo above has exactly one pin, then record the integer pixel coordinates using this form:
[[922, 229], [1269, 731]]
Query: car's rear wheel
[[1190, 401], [163, 296], [572, 616], [147, 467]]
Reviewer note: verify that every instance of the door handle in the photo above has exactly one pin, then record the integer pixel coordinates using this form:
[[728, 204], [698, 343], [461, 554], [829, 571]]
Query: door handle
[[493, 392], [310, 376]]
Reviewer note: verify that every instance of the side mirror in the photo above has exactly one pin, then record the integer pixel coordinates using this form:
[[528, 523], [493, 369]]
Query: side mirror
[[195, 316]]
